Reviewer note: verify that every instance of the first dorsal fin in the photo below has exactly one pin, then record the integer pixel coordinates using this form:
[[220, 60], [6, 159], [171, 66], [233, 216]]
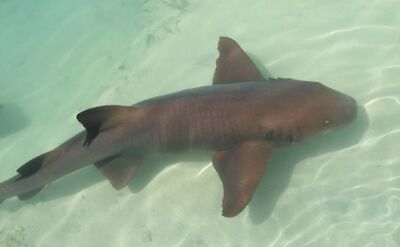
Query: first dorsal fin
[[101, 118], [233, 64]]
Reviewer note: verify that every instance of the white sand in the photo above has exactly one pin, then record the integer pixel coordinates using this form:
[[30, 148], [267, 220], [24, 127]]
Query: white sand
[[60, 57]]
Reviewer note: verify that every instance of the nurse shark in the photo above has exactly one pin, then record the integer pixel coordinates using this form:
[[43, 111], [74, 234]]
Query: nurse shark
[[241, 118]]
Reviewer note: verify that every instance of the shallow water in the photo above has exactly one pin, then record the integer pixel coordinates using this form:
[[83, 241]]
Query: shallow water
[[61, 57]]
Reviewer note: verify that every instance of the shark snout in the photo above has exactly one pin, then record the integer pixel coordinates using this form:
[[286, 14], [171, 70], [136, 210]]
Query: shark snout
[[350, 109], [346, 110]]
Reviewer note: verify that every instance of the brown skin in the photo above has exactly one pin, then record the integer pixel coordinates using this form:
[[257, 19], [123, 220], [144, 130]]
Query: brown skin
[[242, 123], [222, 116], [241, 117]]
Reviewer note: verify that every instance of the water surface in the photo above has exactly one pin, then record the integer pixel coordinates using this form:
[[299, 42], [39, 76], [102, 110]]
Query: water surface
[[61, 57]]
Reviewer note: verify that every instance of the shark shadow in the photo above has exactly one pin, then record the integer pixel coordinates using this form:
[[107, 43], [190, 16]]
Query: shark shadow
[[12, 119]]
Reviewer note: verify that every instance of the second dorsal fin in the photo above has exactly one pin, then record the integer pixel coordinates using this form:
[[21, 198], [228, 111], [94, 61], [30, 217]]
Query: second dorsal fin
[[233, 64], [101, 118]]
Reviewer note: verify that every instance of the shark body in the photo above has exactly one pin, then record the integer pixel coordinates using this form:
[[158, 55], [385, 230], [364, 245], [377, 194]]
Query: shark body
[[241, 118]]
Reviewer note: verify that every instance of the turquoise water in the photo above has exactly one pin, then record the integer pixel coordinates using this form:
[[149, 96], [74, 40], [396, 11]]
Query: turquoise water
[[58, 58]]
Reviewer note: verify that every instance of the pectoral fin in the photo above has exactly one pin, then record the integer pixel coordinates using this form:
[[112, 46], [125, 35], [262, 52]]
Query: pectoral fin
[[234, 65], [240, 169], [119, 169]]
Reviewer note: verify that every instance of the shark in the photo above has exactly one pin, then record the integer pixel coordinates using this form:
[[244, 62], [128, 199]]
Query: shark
[[240, 119]]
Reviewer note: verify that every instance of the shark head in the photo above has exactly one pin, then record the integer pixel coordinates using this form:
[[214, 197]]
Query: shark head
[[323, 109], [309, 108]]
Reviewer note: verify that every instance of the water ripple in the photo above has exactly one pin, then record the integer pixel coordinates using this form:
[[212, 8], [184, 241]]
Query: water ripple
[[352, 29]]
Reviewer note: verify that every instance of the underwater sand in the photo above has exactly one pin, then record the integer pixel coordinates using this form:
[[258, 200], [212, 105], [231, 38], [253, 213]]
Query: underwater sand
[[58, 58]]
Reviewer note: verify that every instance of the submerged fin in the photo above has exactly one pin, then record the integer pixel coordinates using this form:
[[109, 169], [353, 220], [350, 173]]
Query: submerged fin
[[119, 169], [29, 194], [15, 179], [100, 118], [233, 64], [240, 169]]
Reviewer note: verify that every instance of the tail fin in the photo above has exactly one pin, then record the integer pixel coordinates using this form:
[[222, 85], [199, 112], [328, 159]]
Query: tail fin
[[101, 118]]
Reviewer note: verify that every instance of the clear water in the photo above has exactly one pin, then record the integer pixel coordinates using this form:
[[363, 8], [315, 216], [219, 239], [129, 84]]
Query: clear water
[[60, 57]]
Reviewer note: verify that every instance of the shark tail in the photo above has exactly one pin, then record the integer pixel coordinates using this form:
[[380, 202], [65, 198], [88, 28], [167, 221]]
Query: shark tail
[[26, 183], [118, 167]]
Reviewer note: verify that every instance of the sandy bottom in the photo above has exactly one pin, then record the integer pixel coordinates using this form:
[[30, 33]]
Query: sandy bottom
[[61, 57]]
